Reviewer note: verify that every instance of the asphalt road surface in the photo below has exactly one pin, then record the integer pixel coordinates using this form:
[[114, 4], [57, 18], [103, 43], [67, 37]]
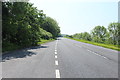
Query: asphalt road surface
[[62, 58]]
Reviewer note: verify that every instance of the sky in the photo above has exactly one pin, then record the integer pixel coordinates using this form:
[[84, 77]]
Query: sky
[[76, 16]]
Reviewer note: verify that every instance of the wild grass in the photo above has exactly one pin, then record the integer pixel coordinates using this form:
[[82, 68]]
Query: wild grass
[[7, 46], [45, 41], [110, 46]]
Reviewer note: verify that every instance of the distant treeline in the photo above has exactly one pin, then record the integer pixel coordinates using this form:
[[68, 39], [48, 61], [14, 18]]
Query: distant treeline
[[100, 34], [25, 25]]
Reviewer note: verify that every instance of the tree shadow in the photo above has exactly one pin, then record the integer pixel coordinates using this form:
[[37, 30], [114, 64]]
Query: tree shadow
[[20, 53], [37, 47]]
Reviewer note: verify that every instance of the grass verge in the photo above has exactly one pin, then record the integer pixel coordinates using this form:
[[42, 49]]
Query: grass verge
[[44, 41], [10, 46], [110, 46]]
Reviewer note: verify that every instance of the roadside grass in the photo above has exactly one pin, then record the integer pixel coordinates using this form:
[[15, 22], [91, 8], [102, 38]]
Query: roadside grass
[[10, 46], [110, 46], [45, 41]]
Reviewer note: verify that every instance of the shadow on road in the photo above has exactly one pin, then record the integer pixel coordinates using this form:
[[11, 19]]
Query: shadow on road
[[20, 53], [37, 47]]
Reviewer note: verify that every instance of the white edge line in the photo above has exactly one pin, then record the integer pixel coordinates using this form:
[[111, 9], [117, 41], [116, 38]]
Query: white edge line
[[97, 54]]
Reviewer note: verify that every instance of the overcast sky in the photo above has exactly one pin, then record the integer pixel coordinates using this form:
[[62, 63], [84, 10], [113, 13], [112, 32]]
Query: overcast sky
[[75, 16]]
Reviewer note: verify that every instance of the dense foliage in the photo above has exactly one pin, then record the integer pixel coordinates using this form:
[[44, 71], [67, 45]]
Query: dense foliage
[[100, 34], [51, 26], [25, 25]]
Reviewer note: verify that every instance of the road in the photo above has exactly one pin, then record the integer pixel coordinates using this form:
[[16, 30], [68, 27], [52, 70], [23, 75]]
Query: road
[[62, 58]]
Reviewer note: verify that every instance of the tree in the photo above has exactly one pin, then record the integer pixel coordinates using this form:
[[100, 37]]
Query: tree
[[51, 26], [99, 32], [25, 25], [114, 31], [86, 36]]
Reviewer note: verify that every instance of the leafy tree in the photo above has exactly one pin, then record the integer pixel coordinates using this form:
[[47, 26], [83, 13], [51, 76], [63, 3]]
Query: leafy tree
[[84, 36], [25, 25], [51, 26], [45, 34], [114, 31], [99, 32]]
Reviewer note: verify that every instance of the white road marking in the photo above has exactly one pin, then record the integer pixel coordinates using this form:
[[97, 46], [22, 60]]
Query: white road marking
[[97, 54], [56, 44], [57, 73], [55, 56], [55, 52], [88, 50], [104, 57], [56, 62]]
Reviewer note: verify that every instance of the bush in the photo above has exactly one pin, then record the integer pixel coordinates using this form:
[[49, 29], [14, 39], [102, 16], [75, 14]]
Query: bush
[[7, 46]]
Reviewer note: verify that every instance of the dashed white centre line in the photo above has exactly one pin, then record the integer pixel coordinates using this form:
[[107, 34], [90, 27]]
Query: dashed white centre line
[[56, 62], [55, 52], [57, 73], [56, 56]]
